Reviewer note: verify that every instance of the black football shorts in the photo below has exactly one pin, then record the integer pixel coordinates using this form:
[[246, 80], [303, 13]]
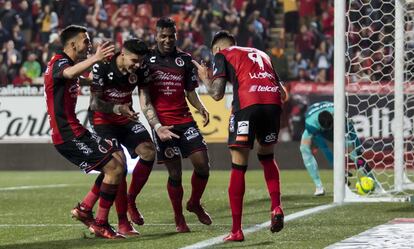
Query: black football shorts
[[88, 151], [260, 122]]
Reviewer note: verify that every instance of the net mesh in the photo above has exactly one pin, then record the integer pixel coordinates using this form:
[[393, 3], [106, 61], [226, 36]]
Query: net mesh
[[370, 67]]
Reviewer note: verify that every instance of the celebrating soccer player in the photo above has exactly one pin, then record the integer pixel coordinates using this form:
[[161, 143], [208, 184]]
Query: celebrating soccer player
[[257, 98], [112, 117], [163, 103], [71, 139]]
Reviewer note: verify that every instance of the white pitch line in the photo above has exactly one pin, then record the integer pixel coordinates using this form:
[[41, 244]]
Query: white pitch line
[[76, 225], [290, 217], [34, 187]]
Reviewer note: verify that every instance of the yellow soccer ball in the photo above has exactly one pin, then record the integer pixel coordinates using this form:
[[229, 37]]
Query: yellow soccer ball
[[365, 185]]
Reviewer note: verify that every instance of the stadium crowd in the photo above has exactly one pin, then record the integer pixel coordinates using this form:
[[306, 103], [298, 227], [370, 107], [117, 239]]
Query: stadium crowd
[[303, 51]]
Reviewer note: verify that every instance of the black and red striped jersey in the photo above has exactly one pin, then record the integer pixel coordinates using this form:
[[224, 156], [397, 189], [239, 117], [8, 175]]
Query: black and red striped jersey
[[252, 75], [169, 77], [61, 96], [115, 87]]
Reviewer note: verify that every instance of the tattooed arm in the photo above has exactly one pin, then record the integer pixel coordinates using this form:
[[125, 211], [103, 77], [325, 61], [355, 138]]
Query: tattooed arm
[[217, 87], [97, 104], [150, 114]]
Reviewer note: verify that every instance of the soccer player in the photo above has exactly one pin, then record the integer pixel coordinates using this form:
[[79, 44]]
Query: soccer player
[[72, 140], [163, 103], [111, 95], [318, 128], [256, 109]]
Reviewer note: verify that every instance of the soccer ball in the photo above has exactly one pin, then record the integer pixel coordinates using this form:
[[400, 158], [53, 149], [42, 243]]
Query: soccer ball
[[365, 185]]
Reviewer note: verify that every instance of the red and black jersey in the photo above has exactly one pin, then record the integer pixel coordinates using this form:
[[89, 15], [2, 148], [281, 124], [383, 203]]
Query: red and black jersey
[[252, 75], [169, 77], [61, 96], [115, 87]]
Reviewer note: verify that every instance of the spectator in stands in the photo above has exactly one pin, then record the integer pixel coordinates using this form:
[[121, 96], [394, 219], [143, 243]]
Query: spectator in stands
[[307, 10], [303, 75], [17, 37], [53, 47], [3, 72], [4, 35], [12, 58], [9, 16], [328, 22], [32, 66], [48, 22], [291, 18], [305, 43], [280, 61], [25, 13], [22, 79], [322, 63]]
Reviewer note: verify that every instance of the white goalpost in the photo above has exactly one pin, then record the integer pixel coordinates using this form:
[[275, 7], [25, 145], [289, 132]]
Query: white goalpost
[[374, 78]]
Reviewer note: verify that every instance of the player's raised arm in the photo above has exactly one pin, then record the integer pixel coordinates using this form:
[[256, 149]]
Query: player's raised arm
[[104, 50], [195, 101], [148, 109], [215, 87]]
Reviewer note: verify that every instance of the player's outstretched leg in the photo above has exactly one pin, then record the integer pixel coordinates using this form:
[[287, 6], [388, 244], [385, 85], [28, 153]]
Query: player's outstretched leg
[[83, 211], [140, 176], [114, 171], [271, 174], [199, 181], [124, 226], [236, 194]]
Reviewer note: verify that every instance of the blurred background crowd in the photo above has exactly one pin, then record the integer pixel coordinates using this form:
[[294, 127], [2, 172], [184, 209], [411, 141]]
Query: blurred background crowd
[[297, 34]]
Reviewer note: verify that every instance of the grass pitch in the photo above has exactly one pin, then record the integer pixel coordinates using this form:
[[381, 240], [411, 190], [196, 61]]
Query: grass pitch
[[39, 217]]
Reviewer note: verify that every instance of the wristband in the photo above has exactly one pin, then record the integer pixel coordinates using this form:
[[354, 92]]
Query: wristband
[[116, 110], [157, 126]]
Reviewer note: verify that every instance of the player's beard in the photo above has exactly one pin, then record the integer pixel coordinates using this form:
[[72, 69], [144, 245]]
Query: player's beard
[[83, 55]]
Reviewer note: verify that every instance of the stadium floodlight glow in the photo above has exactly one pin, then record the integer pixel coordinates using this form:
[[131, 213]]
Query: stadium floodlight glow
[[374, 88]]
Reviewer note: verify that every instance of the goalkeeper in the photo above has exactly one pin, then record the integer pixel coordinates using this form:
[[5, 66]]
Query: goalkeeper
[[318, 128]]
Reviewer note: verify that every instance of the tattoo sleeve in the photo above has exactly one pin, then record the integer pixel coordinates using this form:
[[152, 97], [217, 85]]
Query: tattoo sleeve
[[217, 88], [97, 104], [147, 107]]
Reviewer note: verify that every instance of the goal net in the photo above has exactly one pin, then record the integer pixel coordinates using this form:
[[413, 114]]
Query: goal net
[[378, 98]]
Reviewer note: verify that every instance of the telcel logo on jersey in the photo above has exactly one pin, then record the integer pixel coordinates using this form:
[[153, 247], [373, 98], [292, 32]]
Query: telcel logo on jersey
[[256, 88]]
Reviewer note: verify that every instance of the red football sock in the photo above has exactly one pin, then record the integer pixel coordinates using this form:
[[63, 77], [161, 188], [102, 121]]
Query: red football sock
[[139, 177], [175, 192], [198, 185], [93, 195], [121, 202], [236, 193], [271, 174], [107, 197]]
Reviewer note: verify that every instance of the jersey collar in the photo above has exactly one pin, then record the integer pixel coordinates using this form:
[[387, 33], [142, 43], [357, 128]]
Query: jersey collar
[[66, 56]]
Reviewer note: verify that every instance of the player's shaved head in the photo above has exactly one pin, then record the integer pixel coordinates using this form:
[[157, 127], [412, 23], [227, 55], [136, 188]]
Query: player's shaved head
[[71, 32], [223, 37], [325, 119], [136, 46]]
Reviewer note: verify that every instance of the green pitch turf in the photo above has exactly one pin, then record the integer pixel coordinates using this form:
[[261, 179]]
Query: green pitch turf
[[40, 217]]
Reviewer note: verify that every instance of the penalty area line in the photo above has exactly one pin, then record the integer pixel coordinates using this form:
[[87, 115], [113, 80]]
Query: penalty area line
[[290, 217]]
